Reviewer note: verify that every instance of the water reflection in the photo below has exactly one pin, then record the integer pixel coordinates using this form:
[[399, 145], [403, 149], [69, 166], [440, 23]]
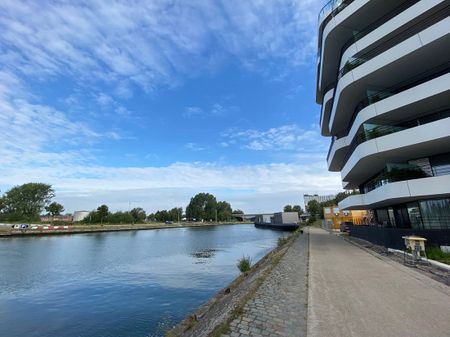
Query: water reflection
[[204, 253]]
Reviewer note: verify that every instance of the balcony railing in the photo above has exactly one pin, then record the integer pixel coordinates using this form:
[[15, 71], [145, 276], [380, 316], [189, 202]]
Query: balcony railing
[[370, 28], [392, 173], [355, 62], [330, 9], [399, 87], [401, 172], [372, 131], [333, 7]]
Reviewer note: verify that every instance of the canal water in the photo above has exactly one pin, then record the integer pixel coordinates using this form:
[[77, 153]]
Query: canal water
[[123, 284]]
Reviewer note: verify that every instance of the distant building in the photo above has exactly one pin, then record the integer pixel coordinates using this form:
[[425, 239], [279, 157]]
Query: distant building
[[285, 218], [50, 218], [80, 215], [319, 198], [263, 218], [334, 217]]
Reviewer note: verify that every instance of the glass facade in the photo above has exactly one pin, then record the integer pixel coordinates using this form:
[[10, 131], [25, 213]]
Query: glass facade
[[424, 214], [435, 213], [414, 215]]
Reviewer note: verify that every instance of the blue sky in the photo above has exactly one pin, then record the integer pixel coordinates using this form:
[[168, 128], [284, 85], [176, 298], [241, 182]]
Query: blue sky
[[147, 103]]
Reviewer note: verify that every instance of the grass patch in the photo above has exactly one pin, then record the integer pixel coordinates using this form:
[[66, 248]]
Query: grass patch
[[244, 264], [282, 241], [435, 253]]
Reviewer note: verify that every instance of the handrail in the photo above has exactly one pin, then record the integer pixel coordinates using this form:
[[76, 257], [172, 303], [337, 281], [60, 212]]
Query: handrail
[[378, 23], [336, 7], [402, 173], [399, 87], [393, 41], [383, 130]]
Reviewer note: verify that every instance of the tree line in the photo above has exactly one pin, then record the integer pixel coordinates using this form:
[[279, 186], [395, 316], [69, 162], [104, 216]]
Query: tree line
[[28, 201]]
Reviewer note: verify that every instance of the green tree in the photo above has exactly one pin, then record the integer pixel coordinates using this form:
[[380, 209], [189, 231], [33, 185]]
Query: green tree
[[224, 211], [203, 206], [54, 209], [26, 201], [175, 214], [162, 216], [151, 217], [314, 209], [102, 212], [287, 208], [120, 218], [238, 211], [298, 209], [138, 215]]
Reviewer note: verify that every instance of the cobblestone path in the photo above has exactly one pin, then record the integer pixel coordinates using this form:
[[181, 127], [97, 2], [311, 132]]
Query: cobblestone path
[[279, 305]]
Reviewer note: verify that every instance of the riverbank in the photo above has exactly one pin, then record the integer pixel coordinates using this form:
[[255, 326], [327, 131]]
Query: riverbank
[[223, 312], [86, 228]]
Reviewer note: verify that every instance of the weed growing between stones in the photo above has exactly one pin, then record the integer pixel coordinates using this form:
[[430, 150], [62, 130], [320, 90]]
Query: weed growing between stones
[[244, 264]]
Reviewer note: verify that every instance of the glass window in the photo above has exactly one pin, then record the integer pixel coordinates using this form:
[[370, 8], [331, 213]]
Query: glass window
[[391, 216], [435, 213], [414, 215], [382, 217]]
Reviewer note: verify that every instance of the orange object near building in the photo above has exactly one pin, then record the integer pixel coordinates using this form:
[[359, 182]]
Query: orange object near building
[[334, 217]]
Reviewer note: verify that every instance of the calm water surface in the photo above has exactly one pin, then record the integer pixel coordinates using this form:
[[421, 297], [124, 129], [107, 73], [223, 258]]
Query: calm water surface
[[118, 284]]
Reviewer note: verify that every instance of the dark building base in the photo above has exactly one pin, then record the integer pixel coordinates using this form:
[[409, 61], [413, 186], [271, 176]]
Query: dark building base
[[392, 237], [280, 227]]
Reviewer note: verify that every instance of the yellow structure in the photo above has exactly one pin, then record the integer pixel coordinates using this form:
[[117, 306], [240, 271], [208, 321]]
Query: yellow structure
[[334, 217]]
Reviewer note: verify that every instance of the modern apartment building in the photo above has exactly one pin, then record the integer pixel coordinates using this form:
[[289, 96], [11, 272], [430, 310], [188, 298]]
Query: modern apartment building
[[319, 198], [383, 83]]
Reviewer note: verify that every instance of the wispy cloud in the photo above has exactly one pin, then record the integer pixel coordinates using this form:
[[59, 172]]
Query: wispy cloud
[[150, 44], [192, 111], [194, 147], [215, 110], [86, 183], [284, 138]]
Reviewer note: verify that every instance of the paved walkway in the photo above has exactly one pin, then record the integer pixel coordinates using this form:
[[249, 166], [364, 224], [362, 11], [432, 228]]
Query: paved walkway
[[354, 293], [279, 305]]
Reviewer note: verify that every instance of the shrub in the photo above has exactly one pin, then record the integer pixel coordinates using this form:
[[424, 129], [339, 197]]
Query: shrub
[[435, 253], [244, 264], [281, 241]]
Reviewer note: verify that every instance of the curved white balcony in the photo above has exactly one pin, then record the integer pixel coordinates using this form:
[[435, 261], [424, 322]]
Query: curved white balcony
[[397, 63], [390, 28], [334, 33], [340, 28], [325, 112], [403, 106], [399, 192], [371, 156]]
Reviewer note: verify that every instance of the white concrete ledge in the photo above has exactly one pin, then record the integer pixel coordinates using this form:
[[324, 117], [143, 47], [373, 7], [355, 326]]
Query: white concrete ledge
[[399, 192], [432, 262]]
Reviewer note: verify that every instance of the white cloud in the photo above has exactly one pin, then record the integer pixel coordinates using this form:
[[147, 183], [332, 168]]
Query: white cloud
[[192, 111], [155, 43], [215, 110], [287, 138], [82, 186], [194, 147]]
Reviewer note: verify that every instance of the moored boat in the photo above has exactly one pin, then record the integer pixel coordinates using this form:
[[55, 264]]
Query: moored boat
[[277, 226]]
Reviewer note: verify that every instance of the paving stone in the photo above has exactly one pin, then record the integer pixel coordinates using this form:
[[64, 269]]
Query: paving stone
[[279, 305]]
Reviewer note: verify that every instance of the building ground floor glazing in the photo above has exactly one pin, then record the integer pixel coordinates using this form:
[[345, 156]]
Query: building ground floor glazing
[[421, 214]]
